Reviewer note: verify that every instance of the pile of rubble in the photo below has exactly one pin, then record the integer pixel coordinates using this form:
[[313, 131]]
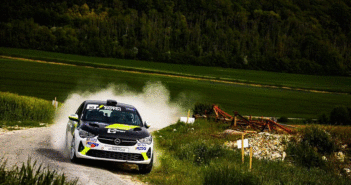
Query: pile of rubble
[[264, 145]]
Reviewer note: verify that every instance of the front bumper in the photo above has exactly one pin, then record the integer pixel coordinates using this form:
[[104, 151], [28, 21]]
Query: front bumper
[[92, 148]]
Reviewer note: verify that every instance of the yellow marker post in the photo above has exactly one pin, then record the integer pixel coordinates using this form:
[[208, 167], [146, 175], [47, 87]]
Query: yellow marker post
[[187, 118], [242, 147], [250, 158]]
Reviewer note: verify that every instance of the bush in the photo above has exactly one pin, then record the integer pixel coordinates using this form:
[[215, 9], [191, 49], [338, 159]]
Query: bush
[[202, 108], [323, 119], [320, 139], [309, 150], [224, 174], [340, 116], [283, 119]]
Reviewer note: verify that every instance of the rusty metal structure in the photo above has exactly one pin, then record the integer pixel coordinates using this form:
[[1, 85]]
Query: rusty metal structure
[[239, 120]]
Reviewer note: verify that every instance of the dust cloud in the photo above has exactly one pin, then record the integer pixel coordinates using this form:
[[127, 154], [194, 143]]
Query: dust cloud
[[153, 104]]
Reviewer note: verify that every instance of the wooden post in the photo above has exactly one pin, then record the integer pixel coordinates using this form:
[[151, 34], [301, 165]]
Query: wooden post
[[235, 121], [250, 158], [242, 147]]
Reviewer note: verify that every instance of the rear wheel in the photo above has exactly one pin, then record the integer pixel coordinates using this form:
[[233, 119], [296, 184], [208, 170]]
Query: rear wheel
[[146, 168]]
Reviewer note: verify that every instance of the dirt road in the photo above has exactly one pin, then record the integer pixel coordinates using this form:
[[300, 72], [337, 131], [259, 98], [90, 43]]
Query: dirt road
[[17, 146]]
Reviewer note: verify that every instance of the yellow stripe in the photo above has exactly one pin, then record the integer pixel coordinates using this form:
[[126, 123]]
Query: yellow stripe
[[101, 106], [86, 149], [122, 127], [144, 155]]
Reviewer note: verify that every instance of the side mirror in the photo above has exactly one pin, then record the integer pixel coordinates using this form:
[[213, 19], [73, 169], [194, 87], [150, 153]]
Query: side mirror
[[146, 124], [73, 117]]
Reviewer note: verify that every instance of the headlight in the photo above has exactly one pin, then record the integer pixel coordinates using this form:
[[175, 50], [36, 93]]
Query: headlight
[[146, 140], [85, 134]]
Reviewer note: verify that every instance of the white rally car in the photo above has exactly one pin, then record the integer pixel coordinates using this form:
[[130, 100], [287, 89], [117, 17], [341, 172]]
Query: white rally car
[[110, 131]]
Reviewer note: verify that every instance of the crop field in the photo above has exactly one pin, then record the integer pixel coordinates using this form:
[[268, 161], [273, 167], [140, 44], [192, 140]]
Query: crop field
[[322, 83], [47, 81]]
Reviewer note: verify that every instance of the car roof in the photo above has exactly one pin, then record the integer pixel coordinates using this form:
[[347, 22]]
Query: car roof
[[105, 102]]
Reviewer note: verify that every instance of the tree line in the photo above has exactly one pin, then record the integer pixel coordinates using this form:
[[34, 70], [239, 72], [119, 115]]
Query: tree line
[[301, 36]]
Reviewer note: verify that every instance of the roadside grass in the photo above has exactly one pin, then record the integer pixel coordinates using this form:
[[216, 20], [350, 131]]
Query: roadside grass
[[31, 173], [22, 111], [323, 83], [193, 154], [47, 81]]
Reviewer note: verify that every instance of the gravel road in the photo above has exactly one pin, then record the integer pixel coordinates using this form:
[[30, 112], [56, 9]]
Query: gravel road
[[17, 146]]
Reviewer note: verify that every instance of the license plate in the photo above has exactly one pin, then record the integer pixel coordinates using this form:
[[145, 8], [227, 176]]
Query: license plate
[[118, 149]]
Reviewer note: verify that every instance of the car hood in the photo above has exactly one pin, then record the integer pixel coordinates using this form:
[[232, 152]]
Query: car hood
[[116, 130]]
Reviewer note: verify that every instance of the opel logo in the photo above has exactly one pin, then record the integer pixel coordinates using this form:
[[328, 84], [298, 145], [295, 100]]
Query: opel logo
[[117, 141]]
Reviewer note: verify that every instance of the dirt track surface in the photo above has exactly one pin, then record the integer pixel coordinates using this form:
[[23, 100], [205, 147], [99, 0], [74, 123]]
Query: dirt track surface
[[17, 146]]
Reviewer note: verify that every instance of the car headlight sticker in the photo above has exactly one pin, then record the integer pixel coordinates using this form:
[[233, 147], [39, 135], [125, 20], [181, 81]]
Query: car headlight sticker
[[146, 140], [85, 134]]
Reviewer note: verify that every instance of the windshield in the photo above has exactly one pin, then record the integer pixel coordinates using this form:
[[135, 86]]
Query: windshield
[[111, 114]]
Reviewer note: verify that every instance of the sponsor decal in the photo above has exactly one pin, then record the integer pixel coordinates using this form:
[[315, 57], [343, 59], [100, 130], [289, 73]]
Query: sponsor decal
[[130, 109], [113, 108], [140, 148], [92, 106], [141, 144], [92, 144], [92, 139], [113, 130]]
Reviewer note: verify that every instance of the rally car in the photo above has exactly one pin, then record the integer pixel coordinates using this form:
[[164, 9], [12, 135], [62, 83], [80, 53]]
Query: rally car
[[110, 131]]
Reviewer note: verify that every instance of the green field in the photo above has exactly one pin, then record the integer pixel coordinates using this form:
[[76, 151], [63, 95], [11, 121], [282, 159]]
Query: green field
[[324, 83], [49, 80]]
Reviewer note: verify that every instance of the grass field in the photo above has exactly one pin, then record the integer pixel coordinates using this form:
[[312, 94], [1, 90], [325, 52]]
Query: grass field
[[49, 80], [191, 155], [324, 83]]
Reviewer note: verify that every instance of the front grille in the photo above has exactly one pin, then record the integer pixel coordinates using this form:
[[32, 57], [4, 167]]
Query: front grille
[[124, 142], [115, 155]]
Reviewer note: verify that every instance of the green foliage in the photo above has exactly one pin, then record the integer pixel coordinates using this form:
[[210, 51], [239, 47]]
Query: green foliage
[[180, 143], [284, 36], [340, 116], [200, 152], [226, 175], [31, 173], [314, 143], [283, 119], [22, 108], [201, 108], [323, 119]]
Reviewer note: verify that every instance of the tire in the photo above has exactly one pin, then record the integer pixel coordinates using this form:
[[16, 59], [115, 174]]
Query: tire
[[146, 168], [72, 153]]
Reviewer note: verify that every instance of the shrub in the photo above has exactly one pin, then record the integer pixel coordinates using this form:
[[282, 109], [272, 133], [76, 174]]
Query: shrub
[[202, 108], [283, 119], [340, 116], [320, 139], [315, 143], [323, 119]]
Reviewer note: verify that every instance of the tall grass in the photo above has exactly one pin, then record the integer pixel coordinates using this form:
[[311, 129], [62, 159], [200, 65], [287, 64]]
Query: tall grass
[[14, 107], [31, 174]]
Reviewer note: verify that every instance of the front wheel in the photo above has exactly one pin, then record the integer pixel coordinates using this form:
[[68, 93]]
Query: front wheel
[[146, 168], [72, 154]]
